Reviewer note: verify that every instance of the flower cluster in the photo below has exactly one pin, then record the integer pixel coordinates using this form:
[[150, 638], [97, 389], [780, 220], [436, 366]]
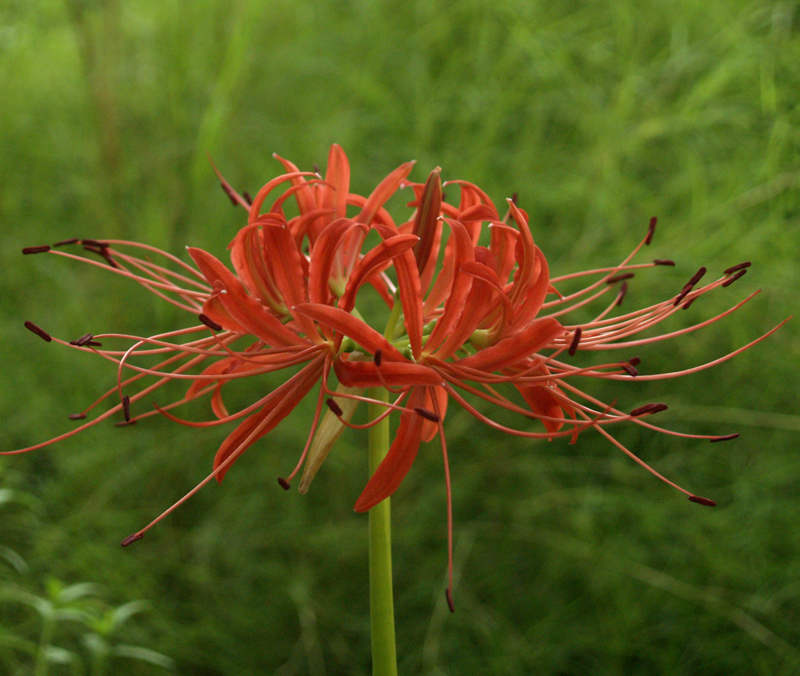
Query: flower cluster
[[473, 314]]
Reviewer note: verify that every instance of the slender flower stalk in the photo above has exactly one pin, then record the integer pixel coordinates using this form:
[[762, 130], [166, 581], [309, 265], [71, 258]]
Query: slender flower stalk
[[474, 317], [381, 593]]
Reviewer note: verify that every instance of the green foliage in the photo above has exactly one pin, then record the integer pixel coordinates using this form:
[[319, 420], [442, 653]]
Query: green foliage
[[70, 626], [570, 559]]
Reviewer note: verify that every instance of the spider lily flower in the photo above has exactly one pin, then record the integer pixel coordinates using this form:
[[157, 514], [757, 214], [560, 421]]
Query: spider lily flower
[[474, 315], [253, 304]]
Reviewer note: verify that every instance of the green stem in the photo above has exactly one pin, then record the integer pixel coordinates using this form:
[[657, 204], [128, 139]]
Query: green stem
[[381, 602]]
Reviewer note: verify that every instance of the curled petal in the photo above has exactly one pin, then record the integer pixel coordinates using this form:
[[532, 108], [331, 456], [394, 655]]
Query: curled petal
[[347, 324], [503, 244], [279, 404], [525, 253], [426, 221], [247, 256], [372, 262], [305, 195], [323, 256], [244, 310], [542, 403], [515, 348], [536, 292], [398, 460], [354, 373], [337, 181], [476, 306], [255, 207], [385, 189], [462, 284], [410, 290]]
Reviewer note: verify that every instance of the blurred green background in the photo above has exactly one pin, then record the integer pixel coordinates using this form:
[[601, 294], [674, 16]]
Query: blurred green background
[[570, 559]]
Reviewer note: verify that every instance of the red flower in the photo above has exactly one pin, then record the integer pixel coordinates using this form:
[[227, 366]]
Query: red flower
[[472, 310]]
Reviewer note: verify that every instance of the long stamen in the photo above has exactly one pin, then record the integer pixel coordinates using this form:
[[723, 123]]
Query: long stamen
[[220, 469], [314, 424], [449, 494]]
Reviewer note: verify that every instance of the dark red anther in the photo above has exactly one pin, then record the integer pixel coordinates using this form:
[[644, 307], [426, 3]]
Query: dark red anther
[[449, 596], [689, 302], [622, 291], [635, 361], [333, 406], [725, 437], [94, 243], [515, 197], [36, 249], [132, 538], [229, 192], [684, 291], [576, 338], [38, 331], [736, 268], [377, 357], [702, 501], [109, 258], [94, 343], [664, 261], [101, 250], [651, 230], [425, 413], [648, 408], [697, 277], [619, 278], [630, 369], [210, 323], [65, 242], [85, 339], [126, 408], [247, 198], [730, 281], [285, 485], [76, 416]]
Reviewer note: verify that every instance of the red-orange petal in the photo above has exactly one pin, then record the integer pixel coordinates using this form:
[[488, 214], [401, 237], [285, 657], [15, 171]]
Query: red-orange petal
[[347, 324], [394, 374], [426, 222], [279, 404], [247, 256], [462, 283], [385, 189], [372, 262], [542, 402], [525, 253], [338, 178], [398, 460], [323, 256], [255, 207], [243, 309], [476, 306], [515, 348]]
